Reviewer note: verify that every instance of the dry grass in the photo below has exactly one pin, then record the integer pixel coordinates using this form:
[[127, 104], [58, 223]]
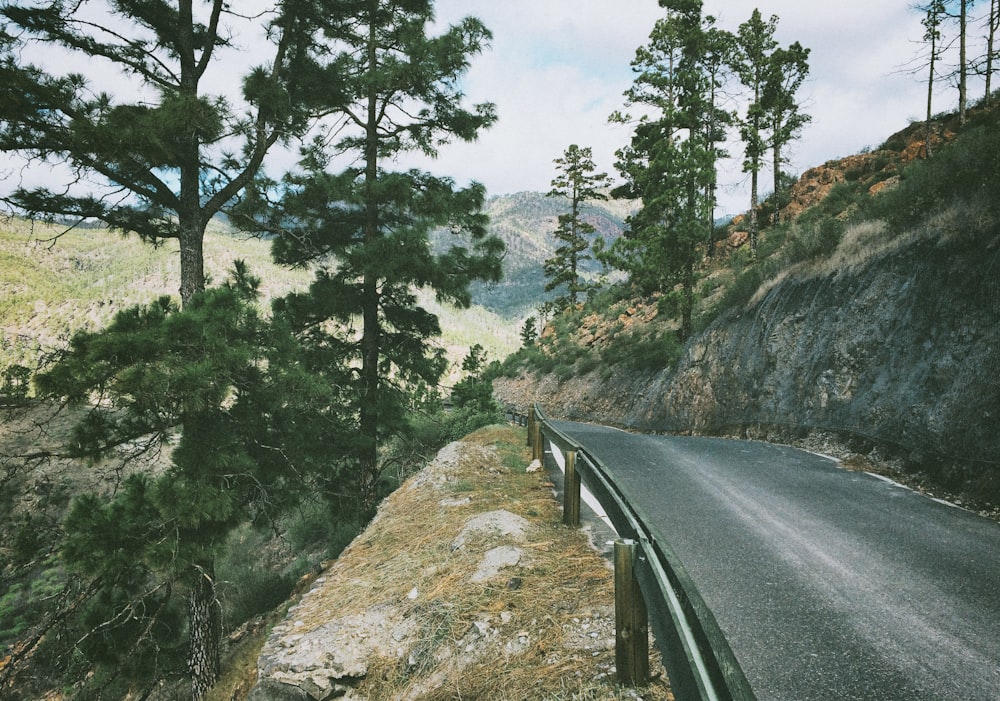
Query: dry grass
[[542, 629]]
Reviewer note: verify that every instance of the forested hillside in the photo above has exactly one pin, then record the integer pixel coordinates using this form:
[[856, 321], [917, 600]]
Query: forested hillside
[[867, 322], [56, 281], [526, 222]]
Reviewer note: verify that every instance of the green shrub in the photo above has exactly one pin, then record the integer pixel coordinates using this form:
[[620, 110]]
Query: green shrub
[[652, 350], [967, 169], [813, 240]]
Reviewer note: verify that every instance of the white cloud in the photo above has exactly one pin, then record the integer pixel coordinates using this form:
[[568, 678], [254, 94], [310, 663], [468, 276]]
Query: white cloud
[[558, 68]]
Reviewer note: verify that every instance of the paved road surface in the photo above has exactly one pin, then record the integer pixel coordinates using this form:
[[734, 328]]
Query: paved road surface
[[828, 584]]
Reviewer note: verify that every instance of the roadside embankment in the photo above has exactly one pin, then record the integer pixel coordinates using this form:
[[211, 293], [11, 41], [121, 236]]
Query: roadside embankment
[[894, 352], [465, 585]]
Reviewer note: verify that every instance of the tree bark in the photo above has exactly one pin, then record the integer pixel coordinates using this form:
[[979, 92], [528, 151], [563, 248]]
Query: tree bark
[[963, 66], [776, 165], [371, 331], [990, 43], [205, 623]]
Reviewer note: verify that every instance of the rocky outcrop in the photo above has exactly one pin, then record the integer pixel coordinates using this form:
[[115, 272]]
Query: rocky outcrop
[[897, 348]]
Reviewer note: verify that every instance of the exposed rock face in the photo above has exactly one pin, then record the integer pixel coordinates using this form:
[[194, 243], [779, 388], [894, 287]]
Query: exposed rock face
[[900, 348]]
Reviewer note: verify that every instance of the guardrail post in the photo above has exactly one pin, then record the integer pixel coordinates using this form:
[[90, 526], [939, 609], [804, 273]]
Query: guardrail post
[[531, 427], [571, 491], [631, 619], [535, 441]]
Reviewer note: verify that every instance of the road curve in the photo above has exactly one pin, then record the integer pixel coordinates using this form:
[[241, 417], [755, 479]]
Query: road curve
[[828, 584]]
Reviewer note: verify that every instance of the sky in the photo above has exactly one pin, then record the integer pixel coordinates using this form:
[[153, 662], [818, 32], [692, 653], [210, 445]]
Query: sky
[[558, 68]]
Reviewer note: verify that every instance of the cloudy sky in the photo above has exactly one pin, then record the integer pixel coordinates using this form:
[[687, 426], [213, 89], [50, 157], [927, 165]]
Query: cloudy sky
[[558, 68]]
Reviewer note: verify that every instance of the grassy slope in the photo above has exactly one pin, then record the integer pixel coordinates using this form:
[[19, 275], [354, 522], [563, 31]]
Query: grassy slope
[[53, 284], [540, 629]]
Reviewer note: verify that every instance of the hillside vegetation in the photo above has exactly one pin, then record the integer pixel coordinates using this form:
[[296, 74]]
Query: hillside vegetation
[[55, 282], [869, 315], [526, 222]]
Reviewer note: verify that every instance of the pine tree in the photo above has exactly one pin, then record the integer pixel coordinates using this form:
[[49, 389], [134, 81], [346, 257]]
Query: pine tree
[[220, 388], [368, 226], [717, 59], [160, 156], [787, 70], [529, 332], [934, 12], [669, 161], [755, 44], [992, 25], [577, 182]]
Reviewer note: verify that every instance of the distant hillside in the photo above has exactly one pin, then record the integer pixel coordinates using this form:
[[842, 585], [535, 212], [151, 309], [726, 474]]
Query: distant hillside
[[54, 283], [526, 222]]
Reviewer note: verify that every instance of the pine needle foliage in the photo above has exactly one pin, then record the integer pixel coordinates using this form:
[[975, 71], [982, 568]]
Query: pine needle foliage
[[368, 227]]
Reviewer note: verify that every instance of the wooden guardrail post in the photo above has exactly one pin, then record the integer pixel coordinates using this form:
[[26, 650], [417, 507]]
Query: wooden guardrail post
[[537, 447], [631, 619], [571, 491], [531, 427]]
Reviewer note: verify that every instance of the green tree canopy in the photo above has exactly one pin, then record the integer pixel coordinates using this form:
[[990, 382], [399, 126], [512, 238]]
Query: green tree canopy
[[150, 149], [669, 163], [367, 226], [787, 70], [576, 182], [755, 43], [240, 411]]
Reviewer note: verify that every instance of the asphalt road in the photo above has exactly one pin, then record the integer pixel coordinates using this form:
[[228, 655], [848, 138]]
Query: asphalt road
[[828, 584]]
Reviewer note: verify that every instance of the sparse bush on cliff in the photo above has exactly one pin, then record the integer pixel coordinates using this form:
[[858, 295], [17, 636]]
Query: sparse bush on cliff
[[966, 170]]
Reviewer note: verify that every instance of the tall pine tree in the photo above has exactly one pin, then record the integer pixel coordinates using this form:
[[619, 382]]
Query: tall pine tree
[[578, 183], [787, 70], [369, 227], [150, 150], [669, 161], [755, 43]]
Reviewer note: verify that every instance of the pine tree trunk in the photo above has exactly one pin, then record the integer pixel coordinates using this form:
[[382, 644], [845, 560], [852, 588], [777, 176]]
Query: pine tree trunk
[[687, 303], [189, 214], [990, 43], [930, 98], [369, 418], [192, 263], [963, 66], [205, 623], [776, 217]]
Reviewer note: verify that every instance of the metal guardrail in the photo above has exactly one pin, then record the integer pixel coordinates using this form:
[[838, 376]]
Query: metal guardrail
[[696, 655]]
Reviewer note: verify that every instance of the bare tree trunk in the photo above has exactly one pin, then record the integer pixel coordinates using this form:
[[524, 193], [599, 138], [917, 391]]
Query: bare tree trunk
[[963, 66], [776, 165], [990, 43], [205, 622], [371, 330], [929, 135]]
